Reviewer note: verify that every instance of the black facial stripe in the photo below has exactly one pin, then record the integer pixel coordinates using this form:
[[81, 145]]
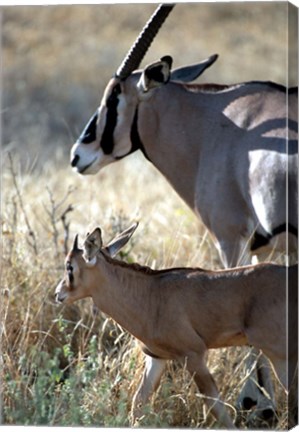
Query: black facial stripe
[[69, 269], [89, 134], [71, 277], [107, 140], [69, 266]]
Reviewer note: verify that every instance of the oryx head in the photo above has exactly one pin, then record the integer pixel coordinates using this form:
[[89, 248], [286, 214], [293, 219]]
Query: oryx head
[[109, 135]]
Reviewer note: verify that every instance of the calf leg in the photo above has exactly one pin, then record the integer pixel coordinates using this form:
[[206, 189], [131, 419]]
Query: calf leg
[[154, 368], [206, 385]]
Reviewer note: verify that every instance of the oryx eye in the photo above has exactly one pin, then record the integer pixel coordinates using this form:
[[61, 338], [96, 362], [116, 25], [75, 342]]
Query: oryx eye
[[89, 134]]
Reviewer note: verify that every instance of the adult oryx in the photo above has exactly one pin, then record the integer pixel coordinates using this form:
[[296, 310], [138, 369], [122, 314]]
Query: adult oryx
[[230, 151]]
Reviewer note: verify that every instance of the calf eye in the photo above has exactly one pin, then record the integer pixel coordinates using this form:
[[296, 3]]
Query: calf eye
[[69, 269]]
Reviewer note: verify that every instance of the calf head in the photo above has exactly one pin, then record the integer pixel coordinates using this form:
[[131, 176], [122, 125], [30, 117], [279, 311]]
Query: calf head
[[81, 264]]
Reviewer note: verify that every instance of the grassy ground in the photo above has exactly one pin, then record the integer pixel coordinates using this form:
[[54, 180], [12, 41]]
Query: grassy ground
[[64, 365]]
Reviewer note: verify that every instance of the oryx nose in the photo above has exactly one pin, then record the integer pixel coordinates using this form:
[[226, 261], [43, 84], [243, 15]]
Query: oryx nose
[[75, 160]]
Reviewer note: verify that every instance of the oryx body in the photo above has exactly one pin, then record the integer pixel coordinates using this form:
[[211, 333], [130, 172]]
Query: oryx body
[[230, 151], [224, 149]]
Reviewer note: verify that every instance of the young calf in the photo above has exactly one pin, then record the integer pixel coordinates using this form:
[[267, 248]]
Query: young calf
[[203, 309]]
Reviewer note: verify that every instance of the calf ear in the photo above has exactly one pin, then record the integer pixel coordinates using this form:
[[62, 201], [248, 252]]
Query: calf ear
[[92, 245], [155, 74], [115, 245]]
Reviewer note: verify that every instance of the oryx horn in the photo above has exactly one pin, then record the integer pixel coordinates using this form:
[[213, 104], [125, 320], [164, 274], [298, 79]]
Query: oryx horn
[[142, 43]]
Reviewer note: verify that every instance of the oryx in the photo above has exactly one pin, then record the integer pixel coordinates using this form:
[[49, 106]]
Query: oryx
[[230, 151]]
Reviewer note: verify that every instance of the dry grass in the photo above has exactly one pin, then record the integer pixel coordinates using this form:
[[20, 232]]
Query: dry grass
[[65, 366], [57, 60], [62, 365]]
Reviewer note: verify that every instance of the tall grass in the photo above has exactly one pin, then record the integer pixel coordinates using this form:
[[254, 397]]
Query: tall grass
[[69, 365]]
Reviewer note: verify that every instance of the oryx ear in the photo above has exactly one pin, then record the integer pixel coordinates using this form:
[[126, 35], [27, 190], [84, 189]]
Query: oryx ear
[[92, 245], [115, 245], [155, 75], [190, 73]]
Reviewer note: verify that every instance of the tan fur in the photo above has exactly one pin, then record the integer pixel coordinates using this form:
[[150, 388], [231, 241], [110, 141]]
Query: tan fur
[[181, 313]]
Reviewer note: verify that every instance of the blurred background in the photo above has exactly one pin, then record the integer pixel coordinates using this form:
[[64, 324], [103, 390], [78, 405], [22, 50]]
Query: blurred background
[[58, 59], [65, 365]]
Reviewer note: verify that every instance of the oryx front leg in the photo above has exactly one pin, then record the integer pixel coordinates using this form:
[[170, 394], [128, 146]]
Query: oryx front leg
[[258, 393], [154, 368], [207, 386], [234, 253]]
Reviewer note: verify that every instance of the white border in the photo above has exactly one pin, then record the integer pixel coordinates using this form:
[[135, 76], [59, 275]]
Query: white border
[[92, 2]]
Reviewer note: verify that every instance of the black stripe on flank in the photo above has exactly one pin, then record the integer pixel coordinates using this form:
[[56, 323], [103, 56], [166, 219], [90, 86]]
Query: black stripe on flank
[[271, 84], [260, 240], [285, 227], [107, 140], [89, 134], [293, 90]]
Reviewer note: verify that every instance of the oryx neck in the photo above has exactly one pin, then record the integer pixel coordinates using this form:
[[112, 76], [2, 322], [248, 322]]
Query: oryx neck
[[168, 141]]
